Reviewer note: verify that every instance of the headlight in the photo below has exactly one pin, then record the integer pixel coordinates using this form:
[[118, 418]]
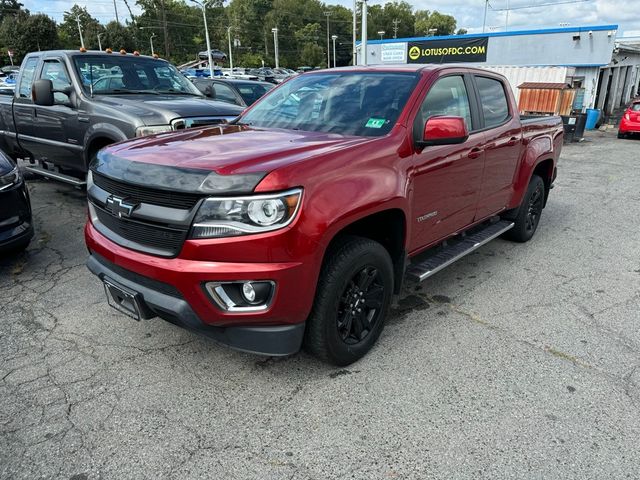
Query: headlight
[[232, 216], [9, 179], [153, 129], [627, 116]]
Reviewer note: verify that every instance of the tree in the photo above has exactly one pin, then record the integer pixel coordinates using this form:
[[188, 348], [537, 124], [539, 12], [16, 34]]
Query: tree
[[68, 29], [312, 55], [117, 37], [9, 8], [461, 31], [426, 20]]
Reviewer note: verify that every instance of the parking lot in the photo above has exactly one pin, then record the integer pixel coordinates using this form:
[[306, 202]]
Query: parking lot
[[519, 361]]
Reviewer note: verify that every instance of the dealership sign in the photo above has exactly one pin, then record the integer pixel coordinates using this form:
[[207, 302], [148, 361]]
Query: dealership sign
[[448, 51], [394, 52]]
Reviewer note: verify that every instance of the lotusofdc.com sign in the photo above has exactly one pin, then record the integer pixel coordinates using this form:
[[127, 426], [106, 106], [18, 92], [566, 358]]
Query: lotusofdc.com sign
[[448, 51]]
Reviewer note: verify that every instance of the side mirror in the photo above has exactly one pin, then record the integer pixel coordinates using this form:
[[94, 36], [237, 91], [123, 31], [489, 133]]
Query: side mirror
[[42, 92], [444, 130]]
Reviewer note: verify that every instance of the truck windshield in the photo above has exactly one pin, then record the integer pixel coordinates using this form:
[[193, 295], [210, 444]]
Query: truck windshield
[[348, 103], [113, 74]]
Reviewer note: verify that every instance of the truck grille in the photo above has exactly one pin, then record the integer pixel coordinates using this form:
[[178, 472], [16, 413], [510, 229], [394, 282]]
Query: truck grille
[[138, 194], [151, 238]]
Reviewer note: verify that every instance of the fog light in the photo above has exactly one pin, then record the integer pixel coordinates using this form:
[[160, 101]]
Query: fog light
[[244, 296], [248, 292]]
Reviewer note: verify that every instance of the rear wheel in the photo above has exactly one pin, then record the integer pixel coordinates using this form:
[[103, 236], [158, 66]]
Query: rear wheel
[[528, 216], [622, 135], [352, 301]]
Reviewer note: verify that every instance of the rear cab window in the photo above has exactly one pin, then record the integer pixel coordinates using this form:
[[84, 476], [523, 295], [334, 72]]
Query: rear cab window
[[493, 101], [26, 79]]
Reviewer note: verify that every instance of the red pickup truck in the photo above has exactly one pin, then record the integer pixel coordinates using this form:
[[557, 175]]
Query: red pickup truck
[[297, 223]]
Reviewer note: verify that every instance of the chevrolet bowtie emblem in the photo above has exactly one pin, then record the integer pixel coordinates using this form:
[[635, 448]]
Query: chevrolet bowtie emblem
[[119, 206]]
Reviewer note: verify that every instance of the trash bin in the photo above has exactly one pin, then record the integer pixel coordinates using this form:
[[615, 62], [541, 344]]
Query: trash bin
[[569, 125], [581, 122], [593, 115]]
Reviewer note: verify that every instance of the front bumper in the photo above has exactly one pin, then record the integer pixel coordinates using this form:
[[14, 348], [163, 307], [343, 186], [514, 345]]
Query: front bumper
[[173, 289], [16, 227]]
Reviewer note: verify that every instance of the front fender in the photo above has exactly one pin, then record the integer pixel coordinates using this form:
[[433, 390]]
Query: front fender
[[102, 130]]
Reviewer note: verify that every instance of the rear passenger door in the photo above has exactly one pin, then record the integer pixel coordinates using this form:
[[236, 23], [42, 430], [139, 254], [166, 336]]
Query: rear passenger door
[[503, 144], [446, 178]]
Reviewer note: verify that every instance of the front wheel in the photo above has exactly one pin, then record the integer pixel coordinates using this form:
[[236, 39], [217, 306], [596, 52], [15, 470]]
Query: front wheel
[[528, 217], [352, 301]]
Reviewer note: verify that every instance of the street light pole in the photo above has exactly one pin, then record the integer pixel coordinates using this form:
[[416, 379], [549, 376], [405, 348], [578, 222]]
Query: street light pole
[[484, 22], [80, 31], [381, 33], [203, 5], [275, 44], [328, 14], [355, 28], [99, 42], [363, 48], [230, 52], [334, 38]]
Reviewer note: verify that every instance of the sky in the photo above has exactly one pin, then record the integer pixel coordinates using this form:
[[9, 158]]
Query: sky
[[469, 13]]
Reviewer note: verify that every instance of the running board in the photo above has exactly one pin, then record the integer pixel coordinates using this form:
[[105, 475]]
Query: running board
[[76, 182], [448, 254]]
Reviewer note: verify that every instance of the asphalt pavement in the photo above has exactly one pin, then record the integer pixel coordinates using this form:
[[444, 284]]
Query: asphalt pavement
[[519, 361]]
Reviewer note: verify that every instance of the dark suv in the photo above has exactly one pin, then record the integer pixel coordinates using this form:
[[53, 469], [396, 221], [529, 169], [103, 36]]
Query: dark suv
[[16, 229]]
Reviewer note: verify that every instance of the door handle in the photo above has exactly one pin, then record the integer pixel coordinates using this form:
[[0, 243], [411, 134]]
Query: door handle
[[475, 152], [512, 141]]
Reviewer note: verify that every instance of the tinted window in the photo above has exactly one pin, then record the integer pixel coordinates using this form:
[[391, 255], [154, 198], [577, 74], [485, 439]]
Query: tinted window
[[635, 107], [224, 93], [250, 92], [493, 100], [349, 103], [448, 96], [56, 72], [28, 70]]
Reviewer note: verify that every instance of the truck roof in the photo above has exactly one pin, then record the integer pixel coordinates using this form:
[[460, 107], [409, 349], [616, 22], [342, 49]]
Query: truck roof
[[75, 53]]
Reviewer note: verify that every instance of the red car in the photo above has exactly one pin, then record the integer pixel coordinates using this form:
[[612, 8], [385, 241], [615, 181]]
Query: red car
[[297, 224], [630, 122]]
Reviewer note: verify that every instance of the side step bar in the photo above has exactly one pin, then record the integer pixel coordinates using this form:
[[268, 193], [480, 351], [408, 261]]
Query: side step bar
[[76, 182], [448, 254]]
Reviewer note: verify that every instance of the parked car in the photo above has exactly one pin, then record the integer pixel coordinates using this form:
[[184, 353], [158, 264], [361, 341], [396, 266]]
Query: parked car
[[297, 223], [238, 92], [630, 121], [216, 55], [239, 73], [264, 74], [70, 104], [16, 226]]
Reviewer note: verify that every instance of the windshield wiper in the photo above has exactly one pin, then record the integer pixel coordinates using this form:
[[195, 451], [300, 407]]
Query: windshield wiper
[[119, 91], [176, 92]]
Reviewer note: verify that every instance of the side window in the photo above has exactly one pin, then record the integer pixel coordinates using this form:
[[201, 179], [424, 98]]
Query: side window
[[28, 71], [493, 101], [56, 72], [448, 96], [224, 93]]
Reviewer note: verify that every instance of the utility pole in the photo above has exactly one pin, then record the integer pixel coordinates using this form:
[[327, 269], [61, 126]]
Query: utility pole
[[230, 51], [80, 31], [395, 27], [328, 14], [275, 44], [115, 7], [99, 42], [334, 38], [203, 5], [355, 28], [363, 44], [484, 22]]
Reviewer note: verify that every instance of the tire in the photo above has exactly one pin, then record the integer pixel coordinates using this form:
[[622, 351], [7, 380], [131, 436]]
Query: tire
[[356, 269], [528, 217], [622, 135]]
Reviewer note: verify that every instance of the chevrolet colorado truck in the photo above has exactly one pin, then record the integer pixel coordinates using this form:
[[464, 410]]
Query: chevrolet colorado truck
[[68, 104], [297, 224]]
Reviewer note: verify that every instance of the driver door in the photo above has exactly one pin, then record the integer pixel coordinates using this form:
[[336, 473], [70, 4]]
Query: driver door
[[446, 178], [59, 139]]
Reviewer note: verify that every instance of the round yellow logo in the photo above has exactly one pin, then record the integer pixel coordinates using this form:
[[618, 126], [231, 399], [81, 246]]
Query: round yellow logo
[[414, 53]]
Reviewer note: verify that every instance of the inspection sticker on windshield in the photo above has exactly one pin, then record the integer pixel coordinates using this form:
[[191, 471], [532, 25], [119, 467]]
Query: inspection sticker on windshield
[[375, 123]]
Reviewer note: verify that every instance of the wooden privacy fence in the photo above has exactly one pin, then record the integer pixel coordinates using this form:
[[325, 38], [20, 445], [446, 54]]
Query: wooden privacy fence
[[546, 98]]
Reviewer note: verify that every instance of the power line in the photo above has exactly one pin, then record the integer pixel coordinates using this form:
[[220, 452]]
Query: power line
[[551, 4]]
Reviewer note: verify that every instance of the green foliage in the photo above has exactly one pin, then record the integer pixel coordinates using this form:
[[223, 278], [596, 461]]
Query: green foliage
[[178, 30]]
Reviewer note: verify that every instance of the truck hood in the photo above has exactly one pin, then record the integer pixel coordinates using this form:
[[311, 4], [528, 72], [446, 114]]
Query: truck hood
[[161, 109], [233, 158]]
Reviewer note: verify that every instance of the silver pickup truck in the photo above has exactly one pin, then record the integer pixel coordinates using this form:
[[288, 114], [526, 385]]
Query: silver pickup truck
[[68, 105]]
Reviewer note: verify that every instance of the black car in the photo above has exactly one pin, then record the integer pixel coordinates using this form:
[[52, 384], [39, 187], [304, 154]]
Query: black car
[[238, 92], [16, 229]]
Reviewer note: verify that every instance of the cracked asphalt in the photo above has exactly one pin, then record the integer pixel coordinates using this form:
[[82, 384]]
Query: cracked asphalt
[[519, 361]]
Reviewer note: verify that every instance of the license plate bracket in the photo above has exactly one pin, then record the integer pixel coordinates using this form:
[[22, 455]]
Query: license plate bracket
[[122, 299]]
